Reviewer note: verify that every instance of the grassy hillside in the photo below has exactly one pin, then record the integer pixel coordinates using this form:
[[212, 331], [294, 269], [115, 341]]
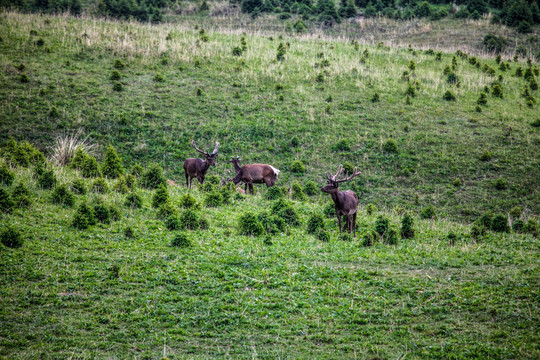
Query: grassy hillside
[[180, 84]]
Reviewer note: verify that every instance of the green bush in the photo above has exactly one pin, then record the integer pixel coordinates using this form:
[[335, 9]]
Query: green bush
[[323, 235], [249, 225], [368, 238], [271, 223], [297, 167], [152, 177], [118, 64], [518, 225], [499, 223], [6, 175], [371, 209], [112, 166], [173, 222], [452, 238], [161, 196], [90, 167], [284, 209], [6, 202], [165, 210], [137, 170], [485, 156], [391, 237], [531, 227], [315, 223], [84, 217], [121, 185], [188, 201], [342, 145], [78, 187], [133, 200], [47, 179], [102, 213], [497, 91], [311, 188], [21, 196], [129, 233], [115, 75], [330, 210], [449, 96], [100, 186], [482, 99], [411, 90], [190, 219], [382, 224], [407, 227], [390, 146], [131, 181], [11, 237], [77, 162], [478, 230], [428, 212], [181, 240], [213, 199], [500, 184], [61, 195], [345, 236], [298, 192], [273, 193]]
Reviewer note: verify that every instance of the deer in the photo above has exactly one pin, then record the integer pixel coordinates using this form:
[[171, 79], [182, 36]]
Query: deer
[[253, 174], [346, 202], [197, 168]]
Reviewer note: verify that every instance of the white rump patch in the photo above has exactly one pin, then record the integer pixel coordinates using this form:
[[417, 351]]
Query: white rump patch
[[276, 171]]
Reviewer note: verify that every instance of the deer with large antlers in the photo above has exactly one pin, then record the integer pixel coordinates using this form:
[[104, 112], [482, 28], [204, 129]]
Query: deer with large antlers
[[253, 174], [197, 168], [346, 202]]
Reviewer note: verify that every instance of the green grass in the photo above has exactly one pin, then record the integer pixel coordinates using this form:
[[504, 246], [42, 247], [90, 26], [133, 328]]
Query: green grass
[[96, 293]]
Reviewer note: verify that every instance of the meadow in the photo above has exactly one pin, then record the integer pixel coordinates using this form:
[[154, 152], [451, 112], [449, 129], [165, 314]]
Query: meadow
[[188, 274]]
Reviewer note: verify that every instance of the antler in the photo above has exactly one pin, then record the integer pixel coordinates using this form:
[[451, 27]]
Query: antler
[[215, 149], [334, 177], [199, 150], [355, 173]]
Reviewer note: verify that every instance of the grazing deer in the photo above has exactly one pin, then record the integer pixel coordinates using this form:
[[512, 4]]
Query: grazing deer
[[254, 174], [346, 202], [197, 168]]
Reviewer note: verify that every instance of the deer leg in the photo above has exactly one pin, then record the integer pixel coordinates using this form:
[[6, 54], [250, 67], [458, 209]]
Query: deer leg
[[187, 180], [339, 222], [251, 188], [200, 178], [354, 224]]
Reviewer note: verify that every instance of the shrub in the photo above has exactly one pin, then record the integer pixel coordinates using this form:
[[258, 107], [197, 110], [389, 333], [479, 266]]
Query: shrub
[[342, 145], [330, 210], [494, 43], [457, 182], [500, 184], [188, 201], [47, 179], [78, 187], [482, 99], [273, 193], [451, 237], [173, 222], [382, 224], [6, 175], [6, 202], [411, 90], [249, 225], [118, 64], [190, 219], [315, 223], [311, 188], [428, 212], [271, 223], [103, 215], [286, 211], [90, 167], [391, 237], [323, 235], [518, 225], [390, 146], [298, 192], [407, 227], [531, 227], [181, 240], [115, 75], [161, 196], [516, 212], [11, 237], [376, 98], [297, 167], [121, 185], [133, 200], [165, 210], [449, 96], [137, 170], [452, 78], [213, 199], [117, 86], [159, 78], [130, 181], [485, 156], [497, 91], [345, 236], [152, 177], [61, 195], [84, 217], [499, 223], [112, 166], [478, 229], [100, 186]]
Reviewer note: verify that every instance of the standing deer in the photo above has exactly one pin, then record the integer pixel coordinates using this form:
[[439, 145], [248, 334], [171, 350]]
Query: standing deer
[[254, 174], [197, 168], [346, 202]]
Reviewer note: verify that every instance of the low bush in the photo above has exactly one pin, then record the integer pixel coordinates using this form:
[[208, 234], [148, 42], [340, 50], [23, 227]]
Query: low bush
[[271, 223], [190, 219], [84, 217], [103, 215], [61, 195], [165, 210], [286, 211], [47, 179], [297, 193], [315, 223], [153, 177], [134, 200], [428, 213], [390, 146], [6, 175], [78, 186], [249, 225], [273, 193], [499, 223], [181, 240], [297, 167], [213, 199], [100, 186], [112, 166], [311, 188], [407, 227], [323, 235], [6, 202], [187, 201], [161, 196], [11, 237]]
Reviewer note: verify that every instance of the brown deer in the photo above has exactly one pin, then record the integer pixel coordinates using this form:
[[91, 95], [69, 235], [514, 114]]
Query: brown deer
[[253, 174], [346, 202], [197, 168]]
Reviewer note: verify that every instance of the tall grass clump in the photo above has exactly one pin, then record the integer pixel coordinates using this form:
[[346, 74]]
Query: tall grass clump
[[65, 147]]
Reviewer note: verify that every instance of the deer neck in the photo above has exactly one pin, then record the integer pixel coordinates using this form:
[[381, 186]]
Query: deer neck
[[237, 167], [205, 166]]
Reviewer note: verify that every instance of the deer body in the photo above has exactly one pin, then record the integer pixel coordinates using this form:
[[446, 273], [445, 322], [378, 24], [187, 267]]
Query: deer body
[[346, 202], [197, 168], [254, 174]]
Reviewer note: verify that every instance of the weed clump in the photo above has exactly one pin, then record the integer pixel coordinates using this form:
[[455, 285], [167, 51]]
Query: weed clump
[[315, 223], [407, 227], [118, 64], [390, 146], [103, 215], [121, 185], [500, 184], [345, 237], [297, 167], [160, 197], [6, 175], [61, 195], [187, 201], [190, 220], [112, 166], [497, 91], [371, 209], [311, 188], [115, 75], [271, 223], [449, 96], [249, 225], [6, 202], [323, 235], [134, 200], [11, 237], [273, 193], [117, 86], [84, 217], [213, 199], [286, 211], [47, 179], [90, 167], [428, 213], [100, 186], [298, 193], [152, 177], [181, 240], [165, 210], [342, 145], [482, 99]]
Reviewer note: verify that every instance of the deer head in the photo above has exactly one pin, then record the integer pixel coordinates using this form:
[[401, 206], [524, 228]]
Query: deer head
[[210, 158], [333, 182]]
